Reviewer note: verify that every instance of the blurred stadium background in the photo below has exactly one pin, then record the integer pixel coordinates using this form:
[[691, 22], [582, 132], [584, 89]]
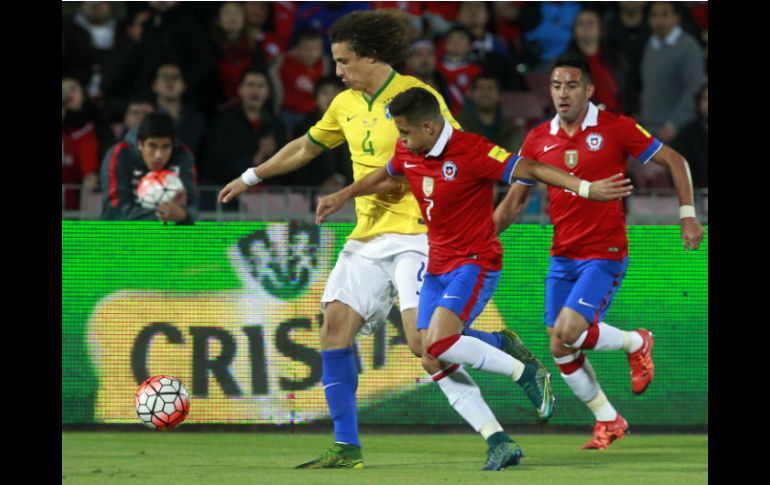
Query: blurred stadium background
[[230, 304]]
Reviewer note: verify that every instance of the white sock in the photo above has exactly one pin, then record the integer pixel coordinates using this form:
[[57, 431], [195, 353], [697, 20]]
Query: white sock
[[585, 386], [632, 341], [582, 383], [611, 338], [465, 397], [480, 355], [602, 408]]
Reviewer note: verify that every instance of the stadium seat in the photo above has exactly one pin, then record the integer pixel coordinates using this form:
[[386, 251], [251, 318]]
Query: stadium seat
[[653, 209], [539, 85], [522, 107]]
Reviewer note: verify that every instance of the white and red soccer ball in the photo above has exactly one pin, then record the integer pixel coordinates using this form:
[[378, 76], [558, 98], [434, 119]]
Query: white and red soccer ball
[[157, 187], [162, 402]]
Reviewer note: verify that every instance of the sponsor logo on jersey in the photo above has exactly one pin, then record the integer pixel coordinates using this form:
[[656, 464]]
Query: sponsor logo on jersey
[[427, 186], [571, 158], [449, 170], [594, 141], [499, 153]]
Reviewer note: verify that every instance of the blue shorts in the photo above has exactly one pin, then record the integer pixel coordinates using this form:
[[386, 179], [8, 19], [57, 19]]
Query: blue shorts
[[587, 286], [464, 290]]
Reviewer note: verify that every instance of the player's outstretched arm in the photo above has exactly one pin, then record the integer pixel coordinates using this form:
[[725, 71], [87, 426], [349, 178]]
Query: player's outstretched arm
[[692, 230], [511, 206], [615, 187], [374, 183], [292, 156]]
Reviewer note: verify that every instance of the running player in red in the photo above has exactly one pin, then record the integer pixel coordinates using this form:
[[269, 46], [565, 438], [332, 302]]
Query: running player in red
[[590, 248], [452, 175]]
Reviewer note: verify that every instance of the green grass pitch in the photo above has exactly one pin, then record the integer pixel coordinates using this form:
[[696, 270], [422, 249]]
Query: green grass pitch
[[146, 458]]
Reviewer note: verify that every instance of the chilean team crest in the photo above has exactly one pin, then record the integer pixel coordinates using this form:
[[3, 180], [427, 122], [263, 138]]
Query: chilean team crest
[[594, 141], [571, 158], [427, 186], [449, 170]]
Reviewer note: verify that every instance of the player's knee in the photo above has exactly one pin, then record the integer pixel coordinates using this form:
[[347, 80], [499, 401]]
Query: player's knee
[[430, 364], [558, 347], [567, 330]]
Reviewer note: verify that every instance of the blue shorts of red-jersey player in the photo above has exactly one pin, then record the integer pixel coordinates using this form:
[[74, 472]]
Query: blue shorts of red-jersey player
[[465, 290], [588, 286]]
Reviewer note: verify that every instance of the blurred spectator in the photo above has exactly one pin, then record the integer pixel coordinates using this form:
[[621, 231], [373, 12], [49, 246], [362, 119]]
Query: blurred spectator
[[331, 169], [106, 34], [164, 34], [294, 75], [81, 111], [458, 66], [169, 86], [137, 107], [235, 53], [243, 136], [415, 9], [693, 141], [440, 16], [79, 158], [484, 115], [151, 147], [489, 51], [547, 30], [421, 64], [77, 54], [475, 17], [672, 74], [320, 16], [628, 34], [270, 25], [608, 71]]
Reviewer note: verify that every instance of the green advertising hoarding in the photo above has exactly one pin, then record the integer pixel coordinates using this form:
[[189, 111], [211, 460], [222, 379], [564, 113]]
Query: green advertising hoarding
[[232, 309]]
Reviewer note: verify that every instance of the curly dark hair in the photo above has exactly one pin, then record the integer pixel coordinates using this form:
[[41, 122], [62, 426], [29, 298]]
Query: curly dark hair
[[379, 34]]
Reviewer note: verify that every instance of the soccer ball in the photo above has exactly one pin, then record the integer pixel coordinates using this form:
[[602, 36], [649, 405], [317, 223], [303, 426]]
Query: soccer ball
[[162, 403], [158, 187]]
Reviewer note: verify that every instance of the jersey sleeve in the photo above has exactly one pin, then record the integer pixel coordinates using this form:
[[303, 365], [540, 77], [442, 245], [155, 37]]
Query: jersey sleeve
[[637, 141], [395, 166], [527, 151], [494, 162], [327, 132]]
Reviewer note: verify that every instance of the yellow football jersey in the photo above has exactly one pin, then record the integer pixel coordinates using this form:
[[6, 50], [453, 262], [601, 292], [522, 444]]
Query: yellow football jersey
[[371, 135]]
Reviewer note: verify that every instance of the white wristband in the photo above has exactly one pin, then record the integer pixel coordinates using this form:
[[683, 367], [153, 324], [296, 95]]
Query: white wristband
[[583, 190], [250, 178], [686, 211]]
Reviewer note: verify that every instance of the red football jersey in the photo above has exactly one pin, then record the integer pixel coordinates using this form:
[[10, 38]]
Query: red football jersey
[[586, 229], [298, 81], [454, 186], [459, 77]]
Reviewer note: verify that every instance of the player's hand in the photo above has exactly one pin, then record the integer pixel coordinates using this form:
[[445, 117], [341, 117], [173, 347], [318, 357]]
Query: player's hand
[[692, 233], [328, 205], [615, 187], [170, 212], [232, 190]]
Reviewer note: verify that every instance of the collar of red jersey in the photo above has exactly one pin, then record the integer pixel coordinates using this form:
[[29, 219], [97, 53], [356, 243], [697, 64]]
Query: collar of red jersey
[[443, 139], [591, 119]]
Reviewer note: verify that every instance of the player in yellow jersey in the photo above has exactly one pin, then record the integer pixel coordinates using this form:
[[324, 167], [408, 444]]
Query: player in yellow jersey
[[386, 254]]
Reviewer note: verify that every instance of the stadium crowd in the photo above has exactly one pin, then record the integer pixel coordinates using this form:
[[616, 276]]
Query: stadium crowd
[[240, 79]]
